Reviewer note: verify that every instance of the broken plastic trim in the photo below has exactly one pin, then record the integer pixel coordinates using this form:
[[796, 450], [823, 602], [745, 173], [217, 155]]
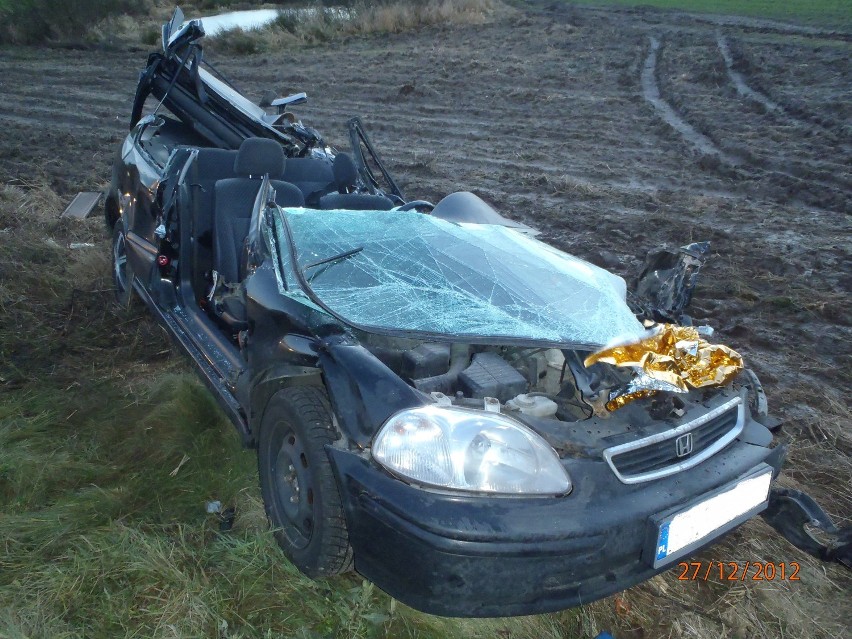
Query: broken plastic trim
[[790, 511]]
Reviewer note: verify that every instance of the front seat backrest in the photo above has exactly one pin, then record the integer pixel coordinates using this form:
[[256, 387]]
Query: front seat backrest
[[355, 202], [345, 172], [235, 198]]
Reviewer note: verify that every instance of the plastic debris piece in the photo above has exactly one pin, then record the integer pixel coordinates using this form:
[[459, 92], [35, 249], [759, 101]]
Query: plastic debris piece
[[82, 205], [673, 358], [226, 519], [214, 507]]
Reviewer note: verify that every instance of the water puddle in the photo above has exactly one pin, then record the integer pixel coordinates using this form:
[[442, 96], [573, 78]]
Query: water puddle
[[245, 20], [256, 18]]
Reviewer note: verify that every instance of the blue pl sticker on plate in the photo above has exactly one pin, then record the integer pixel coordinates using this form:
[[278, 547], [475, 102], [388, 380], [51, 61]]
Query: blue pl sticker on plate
[[663, 541]]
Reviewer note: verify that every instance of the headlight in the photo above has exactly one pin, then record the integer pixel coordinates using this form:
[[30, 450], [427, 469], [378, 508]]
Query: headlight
[[469, 450]]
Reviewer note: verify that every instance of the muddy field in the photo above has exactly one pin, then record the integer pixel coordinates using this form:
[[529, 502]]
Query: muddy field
[[613, 132]]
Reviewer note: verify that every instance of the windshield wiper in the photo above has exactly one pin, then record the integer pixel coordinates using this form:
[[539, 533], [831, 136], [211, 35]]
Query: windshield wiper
[[333, 258]]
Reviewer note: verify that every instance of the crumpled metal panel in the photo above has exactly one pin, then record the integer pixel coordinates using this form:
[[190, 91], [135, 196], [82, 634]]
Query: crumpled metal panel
[[673, 358], [665, 285], [420, 273]]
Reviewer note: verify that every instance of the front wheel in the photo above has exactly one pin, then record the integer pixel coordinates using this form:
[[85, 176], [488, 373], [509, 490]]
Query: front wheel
[[297, 482], [122, 275]]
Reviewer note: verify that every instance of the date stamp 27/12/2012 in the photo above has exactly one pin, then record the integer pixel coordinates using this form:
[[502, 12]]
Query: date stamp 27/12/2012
[[738, 571]]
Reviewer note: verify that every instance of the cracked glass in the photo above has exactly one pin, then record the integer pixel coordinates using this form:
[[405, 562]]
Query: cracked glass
[[411, 273]]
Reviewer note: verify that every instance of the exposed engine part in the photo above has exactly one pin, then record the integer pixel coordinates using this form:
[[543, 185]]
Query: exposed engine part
[[441, 399], [541, 367], [446, 382], [665, 406], [594, 383], [489, 375], [491, 404], [535, 405], [427, 360]]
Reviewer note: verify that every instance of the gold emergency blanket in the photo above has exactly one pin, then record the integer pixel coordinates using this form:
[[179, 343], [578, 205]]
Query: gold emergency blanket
[[673, 358]]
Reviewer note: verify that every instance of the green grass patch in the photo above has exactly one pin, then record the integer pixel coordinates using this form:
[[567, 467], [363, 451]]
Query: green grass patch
[[31, 21], [830, 14]]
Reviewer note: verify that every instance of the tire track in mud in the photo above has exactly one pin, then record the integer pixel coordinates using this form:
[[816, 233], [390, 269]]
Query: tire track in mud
[[739, 81], [651, 93], [759, 93], [795, 175]]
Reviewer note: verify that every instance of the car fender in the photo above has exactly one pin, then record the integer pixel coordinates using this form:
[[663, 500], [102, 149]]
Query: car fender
[[364, 392]]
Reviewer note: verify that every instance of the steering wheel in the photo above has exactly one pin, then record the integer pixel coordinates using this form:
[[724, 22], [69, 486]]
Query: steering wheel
[[416, 205]]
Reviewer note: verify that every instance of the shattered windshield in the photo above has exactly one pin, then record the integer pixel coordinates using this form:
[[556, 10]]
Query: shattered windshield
[[407, 272]]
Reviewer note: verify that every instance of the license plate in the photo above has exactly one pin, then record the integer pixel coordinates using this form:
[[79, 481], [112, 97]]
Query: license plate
[[685, 530]]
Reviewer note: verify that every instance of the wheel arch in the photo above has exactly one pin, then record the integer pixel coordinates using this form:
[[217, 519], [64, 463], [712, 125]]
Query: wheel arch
[[277, 378], [111, 210]]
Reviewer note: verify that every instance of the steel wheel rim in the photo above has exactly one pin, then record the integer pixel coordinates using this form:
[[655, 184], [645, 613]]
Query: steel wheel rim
[[295, 491], [119, 259]]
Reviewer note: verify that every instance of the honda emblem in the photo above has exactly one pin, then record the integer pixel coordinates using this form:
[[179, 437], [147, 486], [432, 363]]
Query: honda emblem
[[683, 445]]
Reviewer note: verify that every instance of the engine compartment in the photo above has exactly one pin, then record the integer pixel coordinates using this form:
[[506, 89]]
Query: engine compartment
[[549, 390]]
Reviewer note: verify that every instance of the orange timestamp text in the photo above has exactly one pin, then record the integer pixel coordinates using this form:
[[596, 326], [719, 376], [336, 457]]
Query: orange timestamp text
[[738, 571]]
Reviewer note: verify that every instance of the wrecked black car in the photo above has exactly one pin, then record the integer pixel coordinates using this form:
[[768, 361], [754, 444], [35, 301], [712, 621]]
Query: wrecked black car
[[477, 422]]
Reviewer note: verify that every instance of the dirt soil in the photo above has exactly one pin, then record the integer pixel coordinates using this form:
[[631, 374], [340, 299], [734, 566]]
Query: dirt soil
[[614, 132]]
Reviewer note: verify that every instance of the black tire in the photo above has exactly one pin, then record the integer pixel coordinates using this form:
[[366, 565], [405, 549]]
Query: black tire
[[297, 482], [122, 275]]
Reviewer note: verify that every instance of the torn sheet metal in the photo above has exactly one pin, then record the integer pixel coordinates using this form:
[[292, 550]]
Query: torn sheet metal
[[665, 284], [674, 359]]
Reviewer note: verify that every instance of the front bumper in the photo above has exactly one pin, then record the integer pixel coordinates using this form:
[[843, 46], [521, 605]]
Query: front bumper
[[475, 556]]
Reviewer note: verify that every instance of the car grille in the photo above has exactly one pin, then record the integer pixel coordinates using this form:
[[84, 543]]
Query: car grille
[[680, 448]]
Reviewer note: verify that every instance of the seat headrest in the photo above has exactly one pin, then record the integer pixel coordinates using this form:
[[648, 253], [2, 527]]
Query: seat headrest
[[345, 171], [259, 156]]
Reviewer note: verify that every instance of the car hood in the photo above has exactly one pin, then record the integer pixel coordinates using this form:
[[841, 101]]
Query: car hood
[[408, 273]]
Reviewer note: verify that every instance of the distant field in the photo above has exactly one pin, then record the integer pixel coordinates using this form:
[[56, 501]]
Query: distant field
[[825, 13]]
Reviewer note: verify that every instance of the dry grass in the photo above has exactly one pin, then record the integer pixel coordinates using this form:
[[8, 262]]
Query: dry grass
[[323, 24], [403, 16]]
